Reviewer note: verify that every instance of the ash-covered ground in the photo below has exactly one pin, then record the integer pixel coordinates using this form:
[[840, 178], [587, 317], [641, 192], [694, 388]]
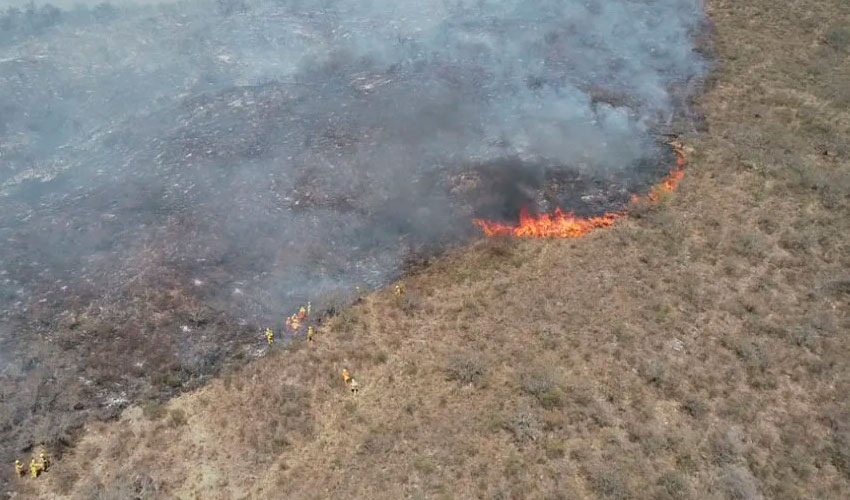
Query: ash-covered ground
[[175, 177]]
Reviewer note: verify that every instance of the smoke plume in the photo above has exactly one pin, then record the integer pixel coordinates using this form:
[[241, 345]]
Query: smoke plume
[[248, 155], [308, 134]]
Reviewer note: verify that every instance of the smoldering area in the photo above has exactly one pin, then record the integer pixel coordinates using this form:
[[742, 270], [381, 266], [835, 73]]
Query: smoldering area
[[175, 176]]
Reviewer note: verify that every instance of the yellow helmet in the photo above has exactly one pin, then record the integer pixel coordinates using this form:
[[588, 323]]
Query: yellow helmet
[[17, 462]]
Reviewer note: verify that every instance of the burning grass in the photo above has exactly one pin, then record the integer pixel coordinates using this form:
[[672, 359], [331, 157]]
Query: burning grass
[[562, 224], [698, 352]]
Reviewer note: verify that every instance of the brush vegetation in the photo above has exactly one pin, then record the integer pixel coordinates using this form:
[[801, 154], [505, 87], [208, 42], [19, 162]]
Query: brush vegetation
[[699, 351]]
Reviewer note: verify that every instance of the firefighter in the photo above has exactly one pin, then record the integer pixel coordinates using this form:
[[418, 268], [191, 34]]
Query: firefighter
[[269, 336], [399, 289], [302, 313], [294, 322], [309, 307], [44, 461], [34, 468], [311, 332], [349, 381], [19, 468]]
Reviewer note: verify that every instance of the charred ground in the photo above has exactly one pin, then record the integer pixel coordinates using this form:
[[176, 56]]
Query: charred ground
[[698, 350], [176, 177]]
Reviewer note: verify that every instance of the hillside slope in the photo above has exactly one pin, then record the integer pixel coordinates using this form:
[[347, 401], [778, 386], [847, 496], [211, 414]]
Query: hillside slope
[[697, 350]]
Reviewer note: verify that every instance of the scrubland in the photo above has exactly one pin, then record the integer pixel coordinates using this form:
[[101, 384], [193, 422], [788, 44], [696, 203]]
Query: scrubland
[[698, 349]]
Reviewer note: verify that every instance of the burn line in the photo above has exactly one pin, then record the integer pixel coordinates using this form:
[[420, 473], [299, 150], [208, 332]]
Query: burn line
[[562, 224]]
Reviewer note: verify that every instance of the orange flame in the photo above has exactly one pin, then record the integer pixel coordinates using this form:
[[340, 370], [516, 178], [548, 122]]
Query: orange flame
[[665, 186], [561, 224], [558, 224]]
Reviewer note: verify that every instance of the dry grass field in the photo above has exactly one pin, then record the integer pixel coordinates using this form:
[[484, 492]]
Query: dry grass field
[[700, 349]]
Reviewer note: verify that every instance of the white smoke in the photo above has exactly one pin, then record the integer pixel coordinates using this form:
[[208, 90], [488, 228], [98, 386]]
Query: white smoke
[[300, 143]]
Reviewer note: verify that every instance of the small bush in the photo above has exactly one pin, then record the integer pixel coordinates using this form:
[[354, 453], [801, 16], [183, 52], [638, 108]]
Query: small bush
[[739, 484], [410, 369], [425, 465], [554, 448], [657, 372], [378, 441], [499, 246], [840, 451], [343, 322], [695, 407], [640, 208], [754, 356], [840, 286], [838, 37], [537, 382], [408, 303], [178, 417], [542, 385], [65, 478], [524, 426], [748, 245], [553, 398], [169, 378], [728, 446], [608, 483], [153, 410], [672, 485], [466, 369]]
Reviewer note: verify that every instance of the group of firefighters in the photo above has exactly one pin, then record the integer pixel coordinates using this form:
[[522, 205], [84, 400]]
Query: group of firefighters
[[37, 466], [293, 323]]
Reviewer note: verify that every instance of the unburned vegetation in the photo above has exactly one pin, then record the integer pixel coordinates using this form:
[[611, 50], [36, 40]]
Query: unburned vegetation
[[698, 351]]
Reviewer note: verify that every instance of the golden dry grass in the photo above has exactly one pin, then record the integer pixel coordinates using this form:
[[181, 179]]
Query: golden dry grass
[[699, 351]]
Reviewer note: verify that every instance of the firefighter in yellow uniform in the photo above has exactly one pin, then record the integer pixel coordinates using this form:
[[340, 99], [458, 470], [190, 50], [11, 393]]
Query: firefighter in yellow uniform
[[311, 332], [349, 381], [45, 463], [19, 468], [399, 289], [34, 468], [293, 322], [309, 307], [269, 336]]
